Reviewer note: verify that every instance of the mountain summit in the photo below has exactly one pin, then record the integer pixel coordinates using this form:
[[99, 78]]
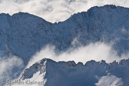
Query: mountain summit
[[71, 74], [23, 34]]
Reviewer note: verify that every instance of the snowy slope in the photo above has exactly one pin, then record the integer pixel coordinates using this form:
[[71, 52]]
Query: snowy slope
[[71, 74], [23, 34]]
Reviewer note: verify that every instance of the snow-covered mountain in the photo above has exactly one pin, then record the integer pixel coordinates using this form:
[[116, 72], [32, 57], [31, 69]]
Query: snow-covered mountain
[[23, 34], [71, 74]]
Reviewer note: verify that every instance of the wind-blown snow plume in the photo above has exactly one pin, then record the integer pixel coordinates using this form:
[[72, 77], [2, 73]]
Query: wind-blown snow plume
[[94, 51], [54, 10]]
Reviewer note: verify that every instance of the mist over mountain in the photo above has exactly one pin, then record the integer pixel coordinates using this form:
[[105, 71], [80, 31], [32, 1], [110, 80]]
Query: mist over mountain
[[24, 34]]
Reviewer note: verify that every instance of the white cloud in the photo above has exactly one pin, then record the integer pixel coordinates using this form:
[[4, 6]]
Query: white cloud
[[109, 80], [10, 68], [94, 51], [54, 10]]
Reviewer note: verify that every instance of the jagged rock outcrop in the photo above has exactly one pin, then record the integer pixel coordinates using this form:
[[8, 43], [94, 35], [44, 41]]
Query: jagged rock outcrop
[[72, 74]]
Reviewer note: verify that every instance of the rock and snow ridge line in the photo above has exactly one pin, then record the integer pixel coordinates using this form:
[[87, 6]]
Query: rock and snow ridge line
[[23, 34], [72, 74]]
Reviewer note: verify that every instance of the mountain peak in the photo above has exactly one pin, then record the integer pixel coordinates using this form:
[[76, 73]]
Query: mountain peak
[[57, 72], [25, 34]]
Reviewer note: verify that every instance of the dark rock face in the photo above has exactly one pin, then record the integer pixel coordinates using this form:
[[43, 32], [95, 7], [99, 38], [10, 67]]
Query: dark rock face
[[72, 74], [23, 34]]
